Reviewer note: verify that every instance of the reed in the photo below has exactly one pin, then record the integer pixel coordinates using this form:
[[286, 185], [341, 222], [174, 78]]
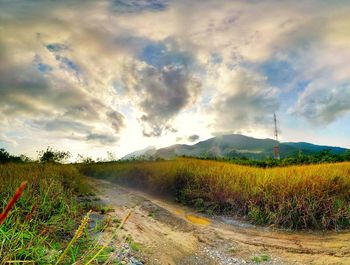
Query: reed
[[37, 222], [12, 201], [295, 197]]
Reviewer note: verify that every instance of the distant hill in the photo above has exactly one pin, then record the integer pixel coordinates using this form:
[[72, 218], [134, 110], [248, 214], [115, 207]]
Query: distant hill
[[148, 151], [233, 145]]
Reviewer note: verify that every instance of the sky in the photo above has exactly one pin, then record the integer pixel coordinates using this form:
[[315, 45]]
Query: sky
[[92, 77]]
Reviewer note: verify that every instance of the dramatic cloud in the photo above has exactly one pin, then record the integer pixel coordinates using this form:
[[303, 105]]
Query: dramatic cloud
[[163, 84], [131, 6], [103, 138], [193, 138], [323, 104], [92, 76], [117, 120], [245, 100]]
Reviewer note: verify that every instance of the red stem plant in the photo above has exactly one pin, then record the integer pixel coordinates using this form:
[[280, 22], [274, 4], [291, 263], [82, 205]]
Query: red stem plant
[[12, 202]]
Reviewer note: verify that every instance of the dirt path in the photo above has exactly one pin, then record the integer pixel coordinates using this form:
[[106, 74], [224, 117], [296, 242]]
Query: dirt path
[[170, 233]]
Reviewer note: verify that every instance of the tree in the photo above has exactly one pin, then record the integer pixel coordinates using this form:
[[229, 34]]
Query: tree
[[347, 155], [111, 156], [4, 155], [25, 159], [85, 160], [53, 156]]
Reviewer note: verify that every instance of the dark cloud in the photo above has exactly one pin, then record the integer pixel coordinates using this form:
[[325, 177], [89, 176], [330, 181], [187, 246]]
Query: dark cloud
[[249, 103], [87, 108], [323, 104], [62, 125], [20, 87], [102, 138], [117, 120], [165, 92], [165, 85], [193, 138]]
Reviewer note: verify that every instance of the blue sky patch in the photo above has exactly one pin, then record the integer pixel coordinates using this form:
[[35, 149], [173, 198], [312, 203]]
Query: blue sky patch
[[278, 73], [159, 55], [216, 58], [134, 6], [68, 64], [39, 65], [56, 47]]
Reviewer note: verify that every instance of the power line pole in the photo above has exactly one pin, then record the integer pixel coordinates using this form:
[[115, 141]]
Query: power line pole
[[276, 148]]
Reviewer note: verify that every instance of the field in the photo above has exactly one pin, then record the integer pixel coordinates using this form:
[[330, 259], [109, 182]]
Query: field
[[296, 197], [46, 216]]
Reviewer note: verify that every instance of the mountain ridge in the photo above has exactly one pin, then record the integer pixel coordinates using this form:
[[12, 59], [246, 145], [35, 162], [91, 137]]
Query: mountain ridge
[[233, 145]]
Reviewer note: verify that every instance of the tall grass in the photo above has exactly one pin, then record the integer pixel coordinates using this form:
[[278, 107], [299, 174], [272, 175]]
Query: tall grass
[[296, 197], [44, 219]]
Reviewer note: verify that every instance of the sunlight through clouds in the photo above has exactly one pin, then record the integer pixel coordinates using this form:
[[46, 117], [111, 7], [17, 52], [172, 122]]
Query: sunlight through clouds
[[96, 76]]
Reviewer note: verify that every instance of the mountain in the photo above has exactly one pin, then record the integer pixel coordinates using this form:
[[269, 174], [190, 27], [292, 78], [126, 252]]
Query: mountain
[[148, 151], [316, 148], [234, 145]]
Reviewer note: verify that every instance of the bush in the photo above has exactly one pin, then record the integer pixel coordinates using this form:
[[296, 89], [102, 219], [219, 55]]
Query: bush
[[53, 156]]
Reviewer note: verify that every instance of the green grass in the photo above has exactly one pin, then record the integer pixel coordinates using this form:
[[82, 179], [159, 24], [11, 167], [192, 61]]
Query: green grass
[[296, 197], [260, 258], [133, 245], [46, 216]]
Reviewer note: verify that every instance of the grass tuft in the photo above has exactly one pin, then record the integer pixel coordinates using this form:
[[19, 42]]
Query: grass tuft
[[39, 220]]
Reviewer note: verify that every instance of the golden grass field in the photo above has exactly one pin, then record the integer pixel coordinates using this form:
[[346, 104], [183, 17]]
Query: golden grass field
[[295, 197], [45, 218]]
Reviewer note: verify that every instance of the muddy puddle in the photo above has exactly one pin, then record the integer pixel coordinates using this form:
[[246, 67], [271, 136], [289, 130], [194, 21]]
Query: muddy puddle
[[198, 220]]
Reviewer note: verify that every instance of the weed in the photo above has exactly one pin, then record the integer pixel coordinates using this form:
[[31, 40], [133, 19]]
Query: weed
[[260, 258], [133, 245], [43, 216]]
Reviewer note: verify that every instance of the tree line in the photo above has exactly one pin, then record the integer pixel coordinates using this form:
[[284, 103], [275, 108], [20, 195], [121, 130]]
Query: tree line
[[324, 156], [50, 155]]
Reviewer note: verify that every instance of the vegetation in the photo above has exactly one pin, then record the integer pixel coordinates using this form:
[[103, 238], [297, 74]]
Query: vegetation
[[324, 156], [53, 156], [5, 157], [44, 156], [43, 226], [46, 224], [296, 197], [261, 258]]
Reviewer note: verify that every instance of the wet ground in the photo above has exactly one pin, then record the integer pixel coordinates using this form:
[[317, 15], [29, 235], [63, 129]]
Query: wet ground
[[170, 233]]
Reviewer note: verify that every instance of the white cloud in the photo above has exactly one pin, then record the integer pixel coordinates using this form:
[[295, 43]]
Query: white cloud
[[208, 74]]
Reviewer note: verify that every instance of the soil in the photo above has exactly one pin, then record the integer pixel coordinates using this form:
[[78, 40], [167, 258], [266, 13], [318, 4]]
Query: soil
[[170, 233]]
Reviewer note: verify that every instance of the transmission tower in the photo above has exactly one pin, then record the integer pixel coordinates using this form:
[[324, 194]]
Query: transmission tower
[[276, 148]]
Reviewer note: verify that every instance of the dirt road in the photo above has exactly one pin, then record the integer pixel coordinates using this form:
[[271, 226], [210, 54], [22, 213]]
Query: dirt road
[[170, 233]]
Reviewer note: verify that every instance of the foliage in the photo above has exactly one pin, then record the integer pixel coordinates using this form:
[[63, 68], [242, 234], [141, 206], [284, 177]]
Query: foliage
[[296, 197], [84, 160], [52, 156], [324, 156], [5, 157], [44, 219]]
